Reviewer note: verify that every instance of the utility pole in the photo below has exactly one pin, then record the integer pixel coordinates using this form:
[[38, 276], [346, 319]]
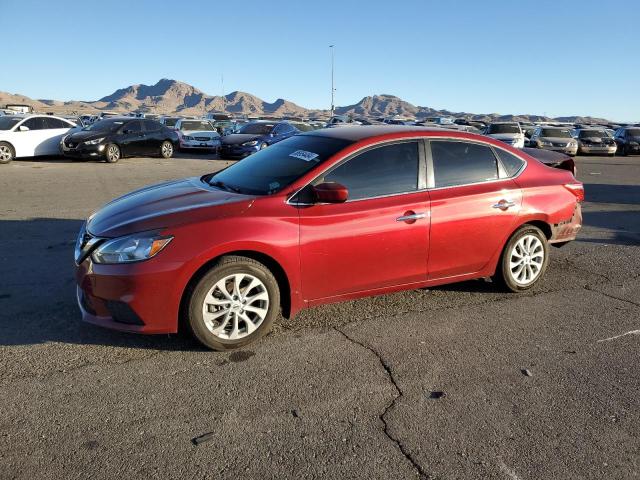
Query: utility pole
[[333, 90], [224, 106]]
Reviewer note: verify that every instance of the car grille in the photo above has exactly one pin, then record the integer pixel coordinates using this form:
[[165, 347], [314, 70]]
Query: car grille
[[556, 144], [202, 139]]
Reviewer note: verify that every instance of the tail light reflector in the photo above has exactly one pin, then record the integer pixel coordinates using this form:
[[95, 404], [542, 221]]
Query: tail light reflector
[[577, 189]]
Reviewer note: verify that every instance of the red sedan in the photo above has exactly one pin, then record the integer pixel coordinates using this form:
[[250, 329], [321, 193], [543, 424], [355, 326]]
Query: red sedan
[[321, 217]]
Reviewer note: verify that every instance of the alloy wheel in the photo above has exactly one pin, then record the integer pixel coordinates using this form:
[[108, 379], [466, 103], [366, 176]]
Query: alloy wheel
[[113, 153], [235, 306], [5, 153], [526, 260], [167, 150]]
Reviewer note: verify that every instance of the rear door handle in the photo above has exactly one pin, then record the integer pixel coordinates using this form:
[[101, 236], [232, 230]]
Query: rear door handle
[[504, 204], [411, 217]]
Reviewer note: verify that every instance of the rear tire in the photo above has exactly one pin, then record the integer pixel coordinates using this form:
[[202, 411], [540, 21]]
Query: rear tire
[[524, 259], [233, 304], [112, 153], [7, 152]]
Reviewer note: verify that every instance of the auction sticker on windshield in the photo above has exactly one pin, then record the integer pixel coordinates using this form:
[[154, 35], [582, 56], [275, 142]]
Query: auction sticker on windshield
[[304, 155]]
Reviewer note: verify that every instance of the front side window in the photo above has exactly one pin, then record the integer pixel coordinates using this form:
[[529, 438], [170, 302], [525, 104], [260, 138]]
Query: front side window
[[462, 163], [35, 123], [56, 123], [133, 127], [380, 171], [152, 126]]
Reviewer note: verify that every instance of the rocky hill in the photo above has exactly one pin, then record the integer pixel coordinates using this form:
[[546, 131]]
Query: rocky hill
[[175, 97]]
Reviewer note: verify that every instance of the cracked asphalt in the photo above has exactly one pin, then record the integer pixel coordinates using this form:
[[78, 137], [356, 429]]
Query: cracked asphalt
[[456, 382]]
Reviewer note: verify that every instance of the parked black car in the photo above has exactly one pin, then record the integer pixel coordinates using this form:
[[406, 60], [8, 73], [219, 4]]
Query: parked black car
[[628, 140], [118, 137], [255, 136]]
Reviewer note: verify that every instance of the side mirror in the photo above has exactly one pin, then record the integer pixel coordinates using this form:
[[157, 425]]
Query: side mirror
[[24, 128], [330, 192]]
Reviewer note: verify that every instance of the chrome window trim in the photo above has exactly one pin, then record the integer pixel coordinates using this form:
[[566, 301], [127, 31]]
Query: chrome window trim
[[427, 161], [431, 186]]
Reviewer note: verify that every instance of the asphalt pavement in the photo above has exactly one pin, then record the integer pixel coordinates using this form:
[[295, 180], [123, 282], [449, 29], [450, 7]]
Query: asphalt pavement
[[455, 382]]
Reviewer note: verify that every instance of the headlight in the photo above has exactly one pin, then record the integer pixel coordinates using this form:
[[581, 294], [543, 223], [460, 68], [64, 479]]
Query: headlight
[[132, 248], [94, 142], [252, 143], [546, 144]]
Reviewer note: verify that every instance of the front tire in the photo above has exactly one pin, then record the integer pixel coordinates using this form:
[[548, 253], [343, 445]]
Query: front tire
[[166, 149], [7, 153], [233, 304], [263, 146], [112, 153], [524, 259]]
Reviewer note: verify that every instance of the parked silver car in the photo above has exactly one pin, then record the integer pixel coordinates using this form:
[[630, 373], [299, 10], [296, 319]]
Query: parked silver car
[[596, 140], [558, 139], [197, 134]]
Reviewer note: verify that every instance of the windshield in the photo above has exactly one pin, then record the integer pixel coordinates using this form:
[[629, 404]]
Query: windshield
[[555, 132], [257, 128], [7, 123], [593, 134], [503, 128], [104, 126], [196, 125], [272, 169], [170, 122], [633, 132]]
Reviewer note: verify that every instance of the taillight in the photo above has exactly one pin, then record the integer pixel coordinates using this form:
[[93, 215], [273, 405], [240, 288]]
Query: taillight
[[577, 189]]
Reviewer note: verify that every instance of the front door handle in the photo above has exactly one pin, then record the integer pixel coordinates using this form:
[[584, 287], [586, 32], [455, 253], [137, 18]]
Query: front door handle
[[504, 204], [410, 217]]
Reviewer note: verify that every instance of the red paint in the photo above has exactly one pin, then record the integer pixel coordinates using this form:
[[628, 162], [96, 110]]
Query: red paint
[[328, 252]]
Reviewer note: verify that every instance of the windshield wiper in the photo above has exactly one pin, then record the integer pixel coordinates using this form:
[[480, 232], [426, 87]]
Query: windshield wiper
[[224, 186]]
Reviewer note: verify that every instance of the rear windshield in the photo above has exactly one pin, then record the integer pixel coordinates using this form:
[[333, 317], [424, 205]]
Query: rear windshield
[[170, 122], [555, 132], [503, 128], [272, 169], [195, 125], [7, 123]]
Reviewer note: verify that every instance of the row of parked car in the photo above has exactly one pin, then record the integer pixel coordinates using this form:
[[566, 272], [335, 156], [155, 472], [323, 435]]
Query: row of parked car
[[112, 137]]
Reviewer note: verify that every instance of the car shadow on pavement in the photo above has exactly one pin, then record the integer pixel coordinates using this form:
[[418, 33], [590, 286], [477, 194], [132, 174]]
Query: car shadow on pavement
[[605, 193], [38, 292]]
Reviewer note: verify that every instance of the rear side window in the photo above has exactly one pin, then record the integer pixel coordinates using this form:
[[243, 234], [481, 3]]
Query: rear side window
[[35, 123], [461, 163], [56, 123], [510, 162], [381, 171], [152, 125], [133, 126]]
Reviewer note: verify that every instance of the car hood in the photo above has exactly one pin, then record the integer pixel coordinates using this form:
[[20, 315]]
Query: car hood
[[83, 136], [557, 139], [238, 138], [506, 136], [200, 133], [165, 205]]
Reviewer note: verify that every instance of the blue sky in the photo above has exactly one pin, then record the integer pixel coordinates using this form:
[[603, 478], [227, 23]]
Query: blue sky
[[554, 57]]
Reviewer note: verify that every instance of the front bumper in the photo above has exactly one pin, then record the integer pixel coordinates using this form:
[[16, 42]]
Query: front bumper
[[608, 149], [199, 145], [237, 151], [567, 150], [137, 297], [82, 151]]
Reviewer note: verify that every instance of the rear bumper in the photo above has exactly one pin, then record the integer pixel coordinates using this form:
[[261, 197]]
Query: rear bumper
[[566, 150], [195, 145], [568, 230]]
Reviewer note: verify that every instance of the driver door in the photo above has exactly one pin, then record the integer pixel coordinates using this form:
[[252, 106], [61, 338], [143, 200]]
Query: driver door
[[379, 237]]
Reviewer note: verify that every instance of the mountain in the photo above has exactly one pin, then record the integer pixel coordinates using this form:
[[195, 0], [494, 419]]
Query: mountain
[[175, 97]]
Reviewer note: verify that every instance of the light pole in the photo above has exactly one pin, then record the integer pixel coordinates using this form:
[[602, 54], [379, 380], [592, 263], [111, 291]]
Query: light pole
[[333, 90], [224, 106]]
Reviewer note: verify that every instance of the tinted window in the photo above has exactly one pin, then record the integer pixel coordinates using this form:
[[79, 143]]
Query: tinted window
[[272, 169], [633, 132], [133, 126], [257, 128], [35, 123], [495, 128], [380, 171], [555, 132], [152, 125], [7, 123], [460, 163], [56, 123], [510, 162]]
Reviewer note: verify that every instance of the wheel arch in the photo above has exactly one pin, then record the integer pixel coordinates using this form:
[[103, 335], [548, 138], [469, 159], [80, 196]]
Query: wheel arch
[[268, 261]]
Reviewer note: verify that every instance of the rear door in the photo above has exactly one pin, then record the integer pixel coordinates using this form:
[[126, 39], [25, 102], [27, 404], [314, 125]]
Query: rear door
[[55, 129], [131, 138], [152, 137], [474, 206], [379, 237]]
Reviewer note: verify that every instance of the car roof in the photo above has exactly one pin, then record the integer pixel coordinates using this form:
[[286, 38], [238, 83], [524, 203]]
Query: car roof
[[359, 132]]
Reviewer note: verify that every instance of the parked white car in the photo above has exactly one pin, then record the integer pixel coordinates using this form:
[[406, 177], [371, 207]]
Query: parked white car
[[507, 132], [31, 135], [197, 134]]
